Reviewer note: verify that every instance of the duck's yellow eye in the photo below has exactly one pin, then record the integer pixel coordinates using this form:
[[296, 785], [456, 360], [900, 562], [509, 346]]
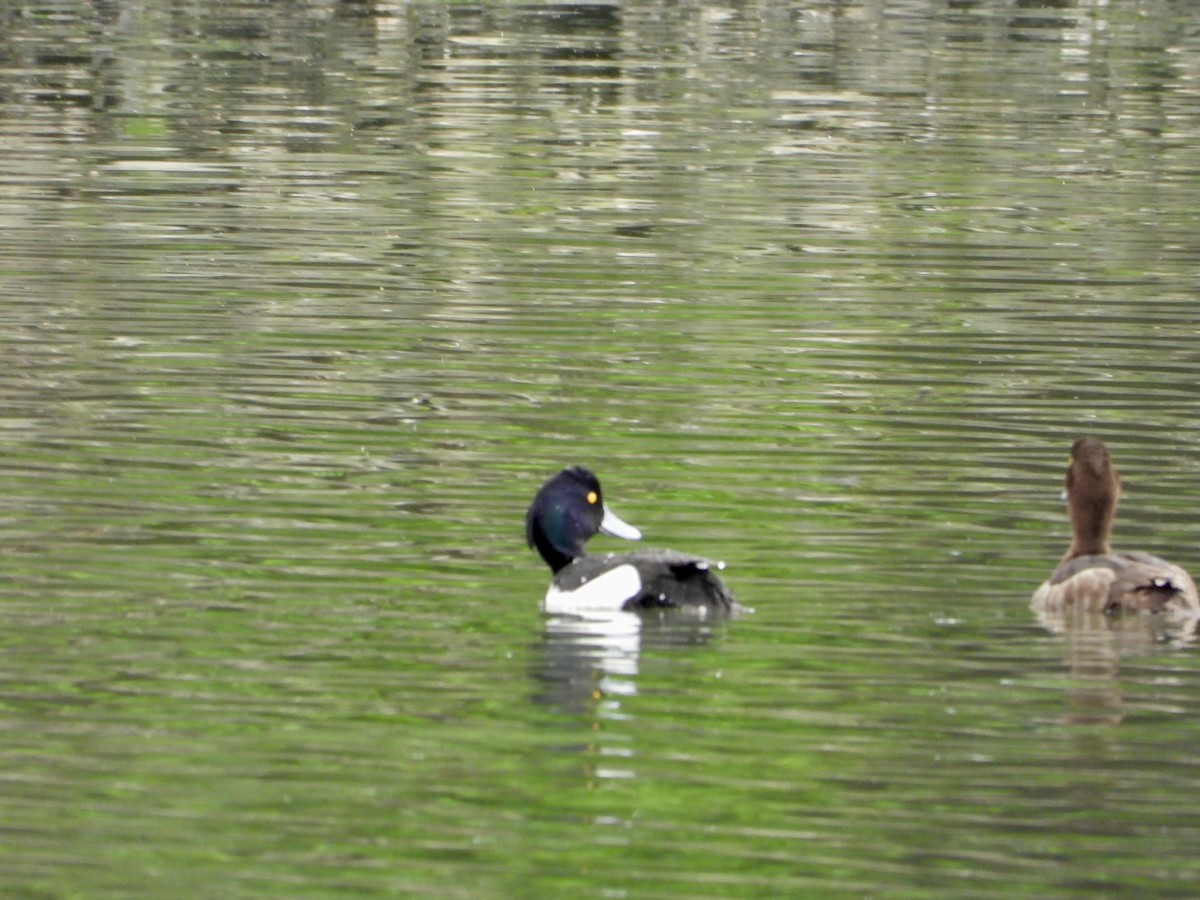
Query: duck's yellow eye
[[593, 497]]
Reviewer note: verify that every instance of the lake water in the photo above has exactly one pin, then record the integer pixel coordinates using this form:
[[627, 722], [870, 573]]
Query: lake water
[[301, 302]]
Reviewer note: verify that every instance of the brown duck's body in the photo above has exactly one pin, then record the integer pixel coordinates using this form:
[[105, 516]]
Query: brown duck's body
[[1118, 581], [1093, 578]]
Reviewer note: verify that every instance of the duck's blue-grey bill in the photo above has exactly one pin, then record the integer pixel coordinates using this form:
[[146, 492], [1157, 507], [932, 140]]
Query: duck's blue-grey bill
[[613, 525]]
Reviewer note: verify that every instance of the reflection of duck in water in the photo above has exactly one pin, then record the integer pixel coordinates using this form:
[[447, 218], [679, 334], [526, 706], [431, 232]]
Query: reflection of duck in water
[[566, 512], [1091, 578], [590, 662]]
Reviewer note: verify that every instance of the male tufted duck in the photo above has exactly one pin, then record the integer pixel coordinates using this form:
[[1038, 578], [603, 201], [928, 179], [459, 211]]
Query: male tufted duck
[[567, 511]]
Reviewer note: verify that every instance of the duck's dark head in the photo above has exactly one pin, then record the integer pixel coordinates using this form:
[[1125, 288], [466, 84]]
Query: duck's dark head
[[1093, 489], [567, 511]]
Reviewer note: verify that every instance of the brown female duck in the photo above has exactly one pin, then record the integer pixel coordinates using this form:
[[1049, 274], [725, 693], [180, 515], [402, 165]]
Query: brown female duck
[[1093, 578]]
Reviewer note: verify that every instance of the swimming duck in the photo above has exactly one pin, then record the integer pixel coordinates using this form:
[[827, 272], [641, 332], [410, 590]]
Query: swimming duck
[[1093, 578], [569, 509]]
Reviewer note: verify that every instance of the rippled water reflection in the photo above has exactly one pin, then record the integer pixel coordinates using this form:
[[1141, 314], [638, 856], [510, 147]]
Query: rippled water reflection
[[302, 302]]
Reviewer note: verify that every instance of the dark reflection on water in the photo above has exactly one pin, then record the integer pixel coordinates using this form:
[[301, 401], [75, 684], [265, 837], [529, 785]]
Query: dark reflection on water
[[300, 301]]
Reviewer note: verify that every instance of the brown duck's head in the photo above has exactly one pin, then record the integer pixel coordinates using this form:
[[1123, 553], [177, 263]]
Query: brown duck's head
[[1093, 489]]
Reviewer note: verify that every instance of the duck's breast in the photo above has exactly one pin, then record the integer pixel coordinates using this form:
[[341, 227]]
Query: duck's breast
[[593, 584]]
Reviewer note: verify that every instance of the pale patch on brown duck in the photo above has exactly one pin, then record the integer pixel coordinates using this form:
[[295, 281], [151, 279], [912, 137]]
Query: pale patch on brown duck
[[1091, 577]]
